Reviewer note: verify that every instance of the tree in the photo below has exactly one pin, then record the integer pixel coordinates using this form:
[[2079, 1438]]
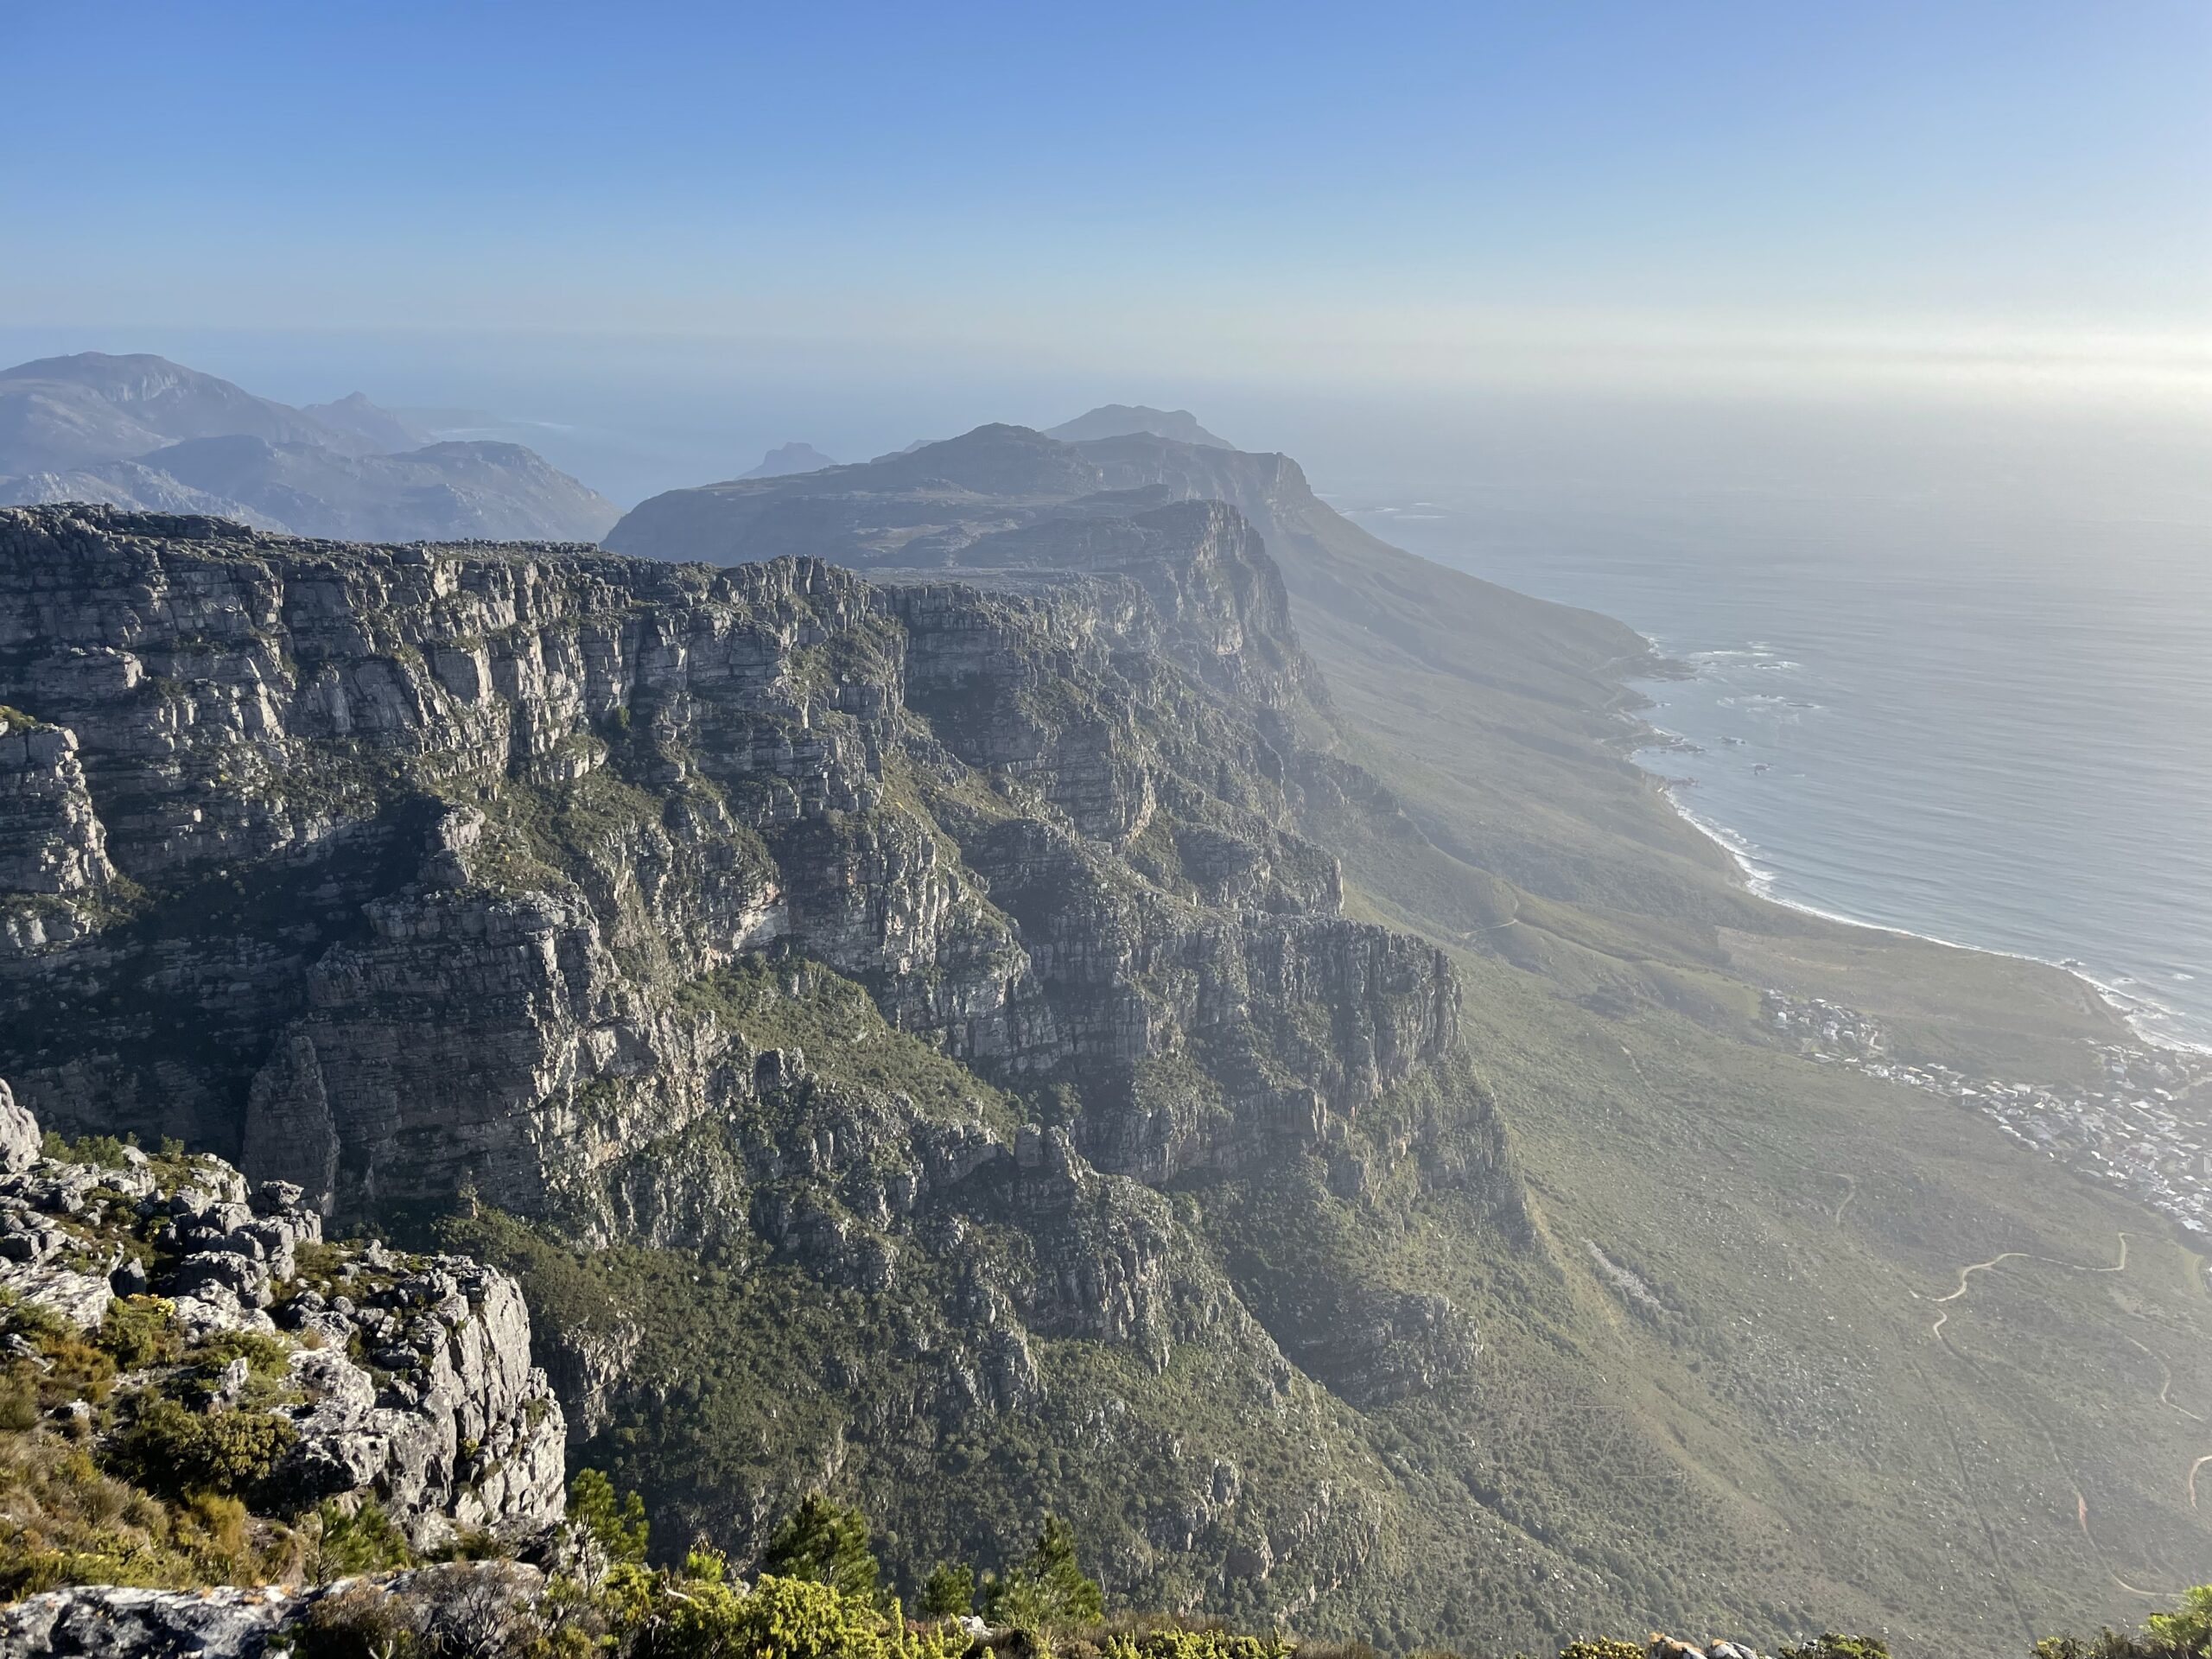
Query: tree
[[2189, 1627], [1048, 1591], [617, 1527], [949, 1592], [824, 1542], [603, 1548]]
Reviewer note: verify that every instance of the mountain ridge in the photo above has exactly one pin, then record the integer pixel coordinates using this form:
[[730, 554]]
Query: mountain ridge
[[139, 431]]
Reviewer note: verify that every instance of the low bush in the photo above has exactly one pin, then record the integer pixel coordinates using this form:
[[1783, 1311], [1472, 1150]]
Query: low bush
[[169, 1450], [1198, 1644], [364, 1541], [140, 1331]]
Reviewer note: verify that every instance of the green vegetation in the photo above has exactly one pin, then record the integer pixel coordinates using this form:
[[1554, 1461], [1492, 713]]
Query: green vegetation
[[1047, 1592], [349, 1542], [788, 1002], [176, 1452], [949, 1590], [824, 1542]]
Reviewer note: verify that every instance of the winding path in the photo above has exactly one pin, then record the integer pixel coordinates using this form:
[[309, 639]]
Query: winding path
[[2081, 1502], [1850, 1191]]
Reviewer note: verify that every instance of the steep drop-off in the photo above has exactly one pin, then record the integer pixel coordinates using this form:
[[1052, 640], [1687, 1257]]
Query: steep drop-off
[[914, 997]]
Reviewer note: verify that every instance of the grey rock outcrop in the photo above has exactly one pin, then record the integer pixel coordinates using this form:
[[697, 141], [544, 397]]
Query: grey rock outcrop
[[19, 1135], [443, 1419], [108, 1622], [464, 1606], [787, 757], [918, 949]]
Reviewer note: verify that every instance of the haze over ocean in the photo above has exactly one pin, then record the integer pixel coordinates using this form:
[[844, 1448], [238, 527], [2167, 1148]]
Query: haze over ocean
[[1980, 712]]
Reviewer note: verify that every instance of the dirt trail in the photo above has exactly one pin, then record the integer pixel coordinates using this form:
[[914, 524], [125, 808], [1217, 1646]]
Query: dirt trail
[[1850, 1191], [2080, 1501], [2165, 1385], [1998, 1261], [2193, 1468]]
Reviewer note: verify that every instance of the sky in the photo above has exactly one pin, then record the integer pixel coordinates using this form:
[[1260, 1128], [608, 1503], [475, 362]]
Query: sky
[[982, 205]]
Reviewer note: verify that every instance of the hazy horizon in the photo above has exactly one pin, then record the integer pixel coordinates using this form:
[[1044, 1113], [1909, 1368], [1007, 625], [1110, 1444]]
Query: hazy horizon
[[708, 232]]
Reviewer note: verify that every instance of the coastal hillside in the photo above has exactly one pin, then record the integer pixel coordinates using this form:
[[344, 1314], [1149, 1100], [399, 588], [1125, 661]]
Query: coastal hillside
[[1803, 1198], [961, 999]]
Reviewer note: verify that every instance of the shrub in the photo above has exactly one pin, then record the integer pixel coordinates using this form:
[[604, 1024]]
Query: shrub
[[616, 1526], [218, 1525], [782, 1618], [1199, 1644], [1829, 1646], [1600, 1647], [359, 1622], [363, 1541], [169, 1450], [140, 1331], [2189, 1627], [19, 1399], [66, 1368], [481, 1611]]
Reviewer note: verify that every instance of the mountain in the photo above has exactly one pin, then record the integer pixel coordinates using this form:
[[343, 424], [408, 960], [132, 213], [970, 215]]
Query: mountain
[[378, 431], [1464, 751], [144, 433], [443, 492], [1125, 419], [64, 412], [1097, 1008], [129, 484], [790, 458]]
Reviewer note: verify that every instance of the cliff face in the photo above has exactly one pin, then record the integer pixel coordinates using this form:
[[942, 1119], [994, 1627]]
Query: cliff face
[[902, 936]]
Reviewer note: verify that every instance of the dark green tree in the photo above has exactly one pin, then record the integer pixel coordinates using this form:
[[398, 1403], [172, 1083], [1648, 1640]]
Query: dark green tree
[[949, 1592], [1048, 1591], [824, 1542]]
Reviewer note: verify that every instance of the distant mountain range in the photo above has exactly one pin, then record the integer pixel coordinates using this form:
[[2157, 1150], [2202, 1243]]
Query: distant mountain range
[[141, 431]]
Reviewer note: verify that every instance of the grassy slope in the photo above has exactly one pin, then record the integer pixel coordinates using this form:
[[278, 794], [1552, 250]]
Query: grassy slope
[[1784, 1425]]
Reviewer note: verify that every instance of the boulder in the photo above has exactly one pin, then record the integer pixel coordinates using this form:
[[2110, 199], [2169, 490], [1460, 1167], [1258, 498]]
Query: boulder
[[19, 1135]]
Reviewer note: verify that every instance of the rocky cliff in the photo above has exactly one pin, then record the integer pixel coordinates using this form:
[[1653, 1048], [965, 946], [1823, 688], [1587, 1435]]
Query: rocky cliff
[[923, 943]]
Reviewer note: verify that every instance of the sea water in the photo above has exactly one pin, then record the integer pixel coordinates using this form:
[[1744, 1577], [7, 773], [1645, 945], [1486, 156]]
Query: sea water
[[1986, 726]]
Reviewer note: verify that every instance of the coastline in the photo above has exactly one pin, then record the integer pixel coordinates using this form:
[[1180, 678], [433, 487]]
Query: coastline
[[2133, 1010]]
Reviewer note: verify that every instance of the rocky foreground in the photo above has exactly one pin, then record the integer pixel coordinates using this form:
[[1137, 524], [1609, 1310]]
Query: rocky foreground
[[197, 1334]]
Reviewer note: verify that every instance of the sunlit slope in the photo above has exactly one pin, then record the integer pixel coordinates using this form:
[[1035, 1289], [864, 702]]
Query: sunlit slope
[[1717, 1380]]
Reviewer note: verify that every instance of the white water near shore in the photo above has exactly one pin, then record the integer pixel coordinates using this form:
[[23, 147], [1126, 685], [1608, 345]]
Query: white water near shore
[[1983, 729]]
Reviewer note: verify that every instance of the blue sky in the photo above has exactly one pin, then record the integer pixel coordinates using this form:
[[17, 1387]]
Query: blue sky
[[1251, 190]]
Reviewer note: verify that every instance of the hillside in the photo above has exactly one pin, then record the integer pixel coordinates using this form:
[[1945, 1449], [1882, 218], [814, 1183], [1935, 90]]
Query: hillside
[[1748, 1240]]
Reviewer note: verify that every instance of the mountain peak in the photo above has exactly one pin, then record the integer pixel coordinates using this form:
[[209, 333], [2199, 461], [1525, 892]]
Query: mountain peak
[[1120, 420], [787, 459]]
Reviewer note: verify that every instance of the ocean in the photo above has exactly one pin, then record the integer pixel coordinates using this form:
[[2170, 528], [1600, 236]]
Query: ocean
[[1987, 726]]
